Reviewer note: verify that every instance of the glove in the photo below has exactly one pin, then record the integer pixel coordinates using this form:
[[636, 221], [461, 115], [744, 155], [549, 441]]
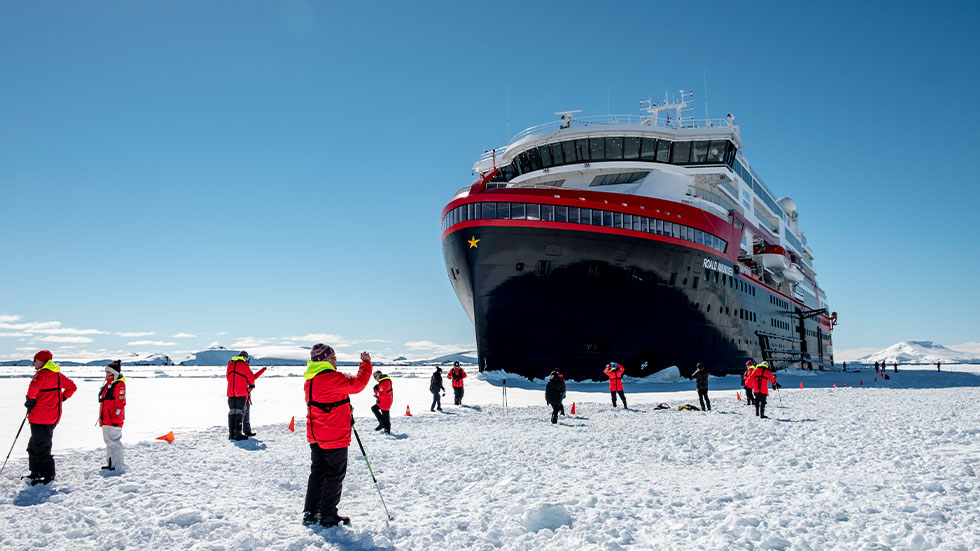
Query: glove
[[251, 386], [29, 404], [444, 393]]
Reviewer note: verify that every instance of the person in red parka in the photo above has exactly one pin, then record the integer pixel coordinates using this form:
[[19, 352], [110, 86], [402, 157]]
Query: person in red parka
[[747, 383], [48, 389], [456, 375], [384, 397], [615, 373], [761, 377], [241, 380], [329, 417], [112, 413]]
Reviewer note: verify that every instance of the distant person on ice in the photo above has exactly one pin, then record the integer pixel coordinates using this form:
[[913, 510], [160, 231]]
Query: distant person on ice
[[701, 378], [553, 394], [456, 375], [761, 377], [615, 373], [241, 381], [937, 367], [48, 389], [329, 417], [383, 398], [435, 387], [747, 383], [112, 412]]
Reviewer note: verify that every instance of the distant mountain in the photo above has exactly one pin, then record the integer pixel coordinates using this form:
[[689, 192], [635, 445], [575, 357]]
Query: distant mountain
[[465, 357], [130, 359], [270, 355], [919, 352]]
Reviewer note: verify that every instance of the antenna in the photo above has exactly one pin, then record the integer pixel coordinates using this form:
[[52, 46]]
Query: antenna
[[679, 108], [507, 137], [704, 75]]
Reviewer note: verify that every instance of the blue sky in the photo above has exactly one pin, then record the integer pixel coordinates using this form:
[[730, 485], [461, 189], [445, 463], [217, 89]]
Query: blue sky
[[248, 172]]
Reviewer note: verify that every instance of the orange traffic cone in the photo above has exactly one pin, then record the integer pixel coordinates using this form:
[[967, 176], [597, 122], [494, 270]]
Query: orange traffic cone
[[573, 408], [801, 385], [835, 385], [862, 382], [169, 437], [738, 396], [292, 424], [408, 411]]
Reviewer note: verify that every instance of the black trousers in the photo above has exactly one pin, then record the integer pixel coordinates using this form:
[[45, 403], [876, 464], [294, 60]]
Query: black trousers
[[436, 400], [760, 404], [236, 414], [749, 396], [458, 392], [703, 396], [327, 472], [384, 417], [555, 410], [621, 395], [39, 450]]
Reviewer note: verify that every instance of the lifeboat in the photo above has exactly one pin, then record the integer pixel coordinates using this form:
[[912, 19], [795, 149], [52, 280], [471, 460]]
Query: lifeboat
[[774, 258], [793, 274]]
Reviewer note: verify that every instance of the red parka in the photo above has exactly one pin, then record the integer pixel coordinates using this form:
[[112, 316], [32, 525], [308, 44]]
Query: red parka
[[49, 387], [383, 393], [112, 402], [328, 409], [747, 378], [615, 373], [456, 375], [760, 379], [239, 376]]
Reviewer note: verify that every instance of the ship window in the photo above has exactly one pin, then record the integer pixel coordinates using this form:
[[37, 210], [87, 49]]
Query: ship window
[[535, 158], [517, 211], [515, 166], [698, 237], [617, 220], [648, 150], [525, 163], [707, 274], [709, 309], [582, 149], [694, 283], [673, 278], [682, 153], [503, 210], [469, 211], [683, 232], [663, 151], [607, 219], [628, 222], [489, 210], [556, 154], [533, 211], [660, 227], [545, 152], [716, 151], [597, 149], [548, 213], [568, 149], [644, 224], [614, 149], [699, 152], [715, 277], [477, 211], [573, 215], [585, 216], [631, 149]]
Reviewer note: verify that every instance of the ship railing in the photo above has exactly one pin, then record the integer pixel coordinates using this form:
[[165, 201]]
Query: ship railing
[[610, 120]]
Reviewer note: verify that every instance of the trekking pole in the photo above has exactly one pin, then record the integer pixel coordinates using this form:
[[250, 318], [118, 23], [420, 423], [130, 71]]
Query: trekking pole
[[372, 475], [505, 395], [14, 443]]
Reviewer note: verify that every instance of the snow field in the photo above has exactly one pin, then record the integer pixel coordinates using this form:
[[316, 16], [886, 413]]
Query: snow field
[[847, 468]]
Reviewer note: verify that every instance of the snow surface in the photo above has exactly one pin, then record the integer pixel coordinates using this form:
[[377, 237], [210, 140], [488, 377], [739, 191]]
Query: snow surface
[[879, 465]]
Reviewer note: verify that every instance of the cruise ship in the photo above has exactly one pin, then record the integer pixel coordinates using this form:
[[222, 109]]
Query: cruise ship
[[647, 240]]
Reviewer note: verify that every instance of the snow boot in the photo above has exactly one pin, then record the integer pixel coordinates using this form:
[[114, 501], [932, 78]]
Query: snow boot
[[334, 520], [309, 519], [379, 427], [762, 413], [236, 428]]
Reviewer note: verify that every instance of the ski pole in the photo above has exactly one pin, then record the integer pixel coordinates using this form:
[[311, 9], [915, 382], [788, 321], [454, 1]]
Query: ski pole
[[363, 453], [14, 443]]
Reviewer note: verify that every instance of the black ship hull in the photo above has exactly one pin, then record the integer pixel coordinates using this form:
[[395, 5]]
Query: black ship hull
[[544, 298]]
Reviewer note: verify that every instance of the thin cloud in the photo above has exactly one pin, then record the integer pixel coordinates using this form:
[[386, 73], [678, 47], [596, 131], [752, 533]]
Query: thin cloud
[[43, 327], [63, 339], [15, 334], [183, 336], [131, 334], [151, 343], [246, 342], [8, 318], [328, 338]]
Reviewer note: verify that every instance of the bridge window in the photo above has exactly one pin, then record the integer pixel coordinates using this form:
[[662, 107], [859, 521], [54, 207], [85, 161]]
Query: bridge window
[[517, 211], [489, 210], [568, 150], [582, 149], [682, 153], [573, 215], [663, 151], [533, 211], [614, 149], [716, 151], [699, 152], [548, 213], [503, 210], [534, 157], [545, 152], [557, 154], [597, 149], [631, 149]]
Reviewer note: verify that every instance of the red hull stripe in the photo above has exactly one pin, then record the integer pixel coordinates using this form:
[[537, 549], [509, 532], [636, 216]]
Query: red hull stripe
[[501, 223], [630, 204]]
